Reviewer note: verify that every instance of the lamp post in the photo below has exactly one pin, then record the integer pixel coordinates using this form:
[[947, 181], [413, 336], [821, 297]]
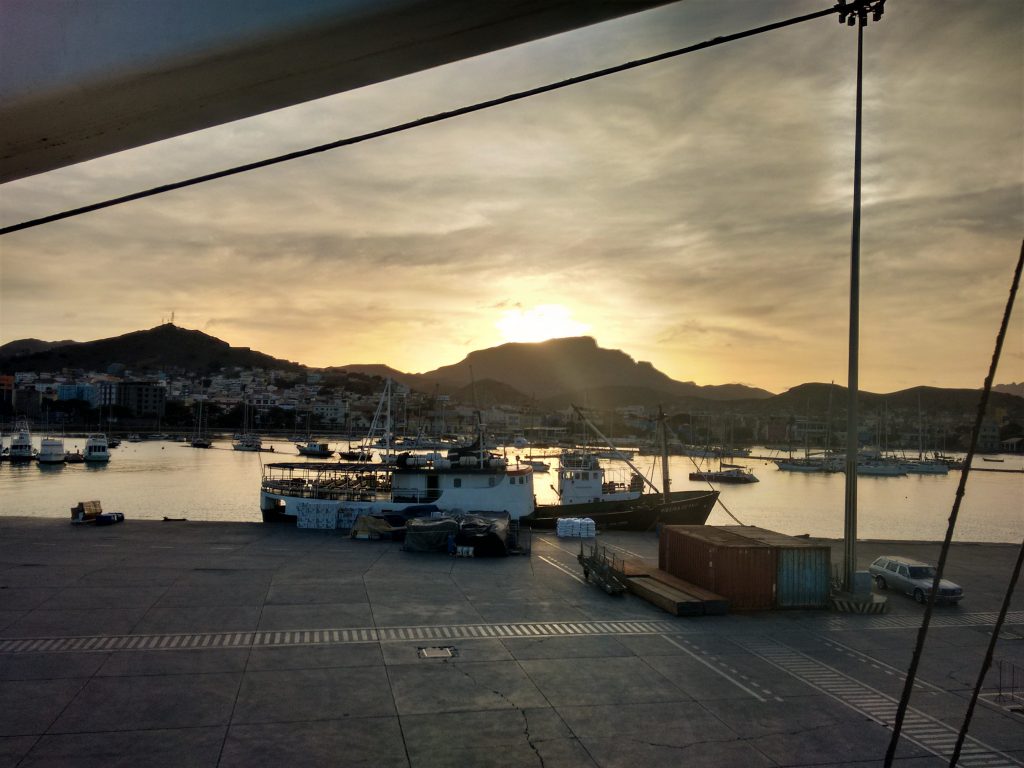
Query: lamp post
[[854, 13]]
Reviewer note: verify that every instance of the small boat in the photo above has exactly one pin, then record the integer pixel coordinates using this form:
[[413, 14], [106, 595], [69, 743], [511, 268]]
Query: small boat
[[97, 449], [51, 451], [74, 457], [314, 449], [201, 442], [880, 469], [922, 467], [732, 475], [364, 456], [986, 458], [249, 441]]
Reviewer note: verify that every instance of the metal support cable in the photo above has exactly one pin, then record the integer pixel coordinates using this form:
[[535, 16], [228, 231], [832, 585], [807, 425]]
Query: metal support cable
[[710, 485], [430, 119], [922, 633], [987, 662]]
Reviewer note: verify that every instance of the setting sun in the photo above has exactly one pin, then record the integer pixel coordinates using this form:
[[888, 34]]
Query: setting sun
[[540, 323]]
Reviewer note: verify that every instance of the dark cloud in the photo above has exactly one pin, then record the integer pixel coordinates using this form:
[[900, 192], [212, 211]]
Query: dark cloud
[[695, 213]]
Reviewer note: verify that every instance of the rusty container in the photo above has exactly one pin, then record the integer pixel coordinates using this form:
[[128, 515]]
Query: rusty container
[[802, 578], [734, 566]]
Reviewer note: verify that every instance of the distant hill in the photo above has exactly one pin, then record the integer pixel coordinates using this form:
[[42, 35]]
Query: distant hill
[[556, 368], [381, 371], [814, 399], [1016, 388], [23, 347], [161, 348]]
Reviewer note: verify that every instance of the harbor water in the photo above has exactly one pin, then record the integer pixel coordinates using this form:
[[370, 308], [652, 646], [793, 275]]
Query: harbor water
[[156, 479]]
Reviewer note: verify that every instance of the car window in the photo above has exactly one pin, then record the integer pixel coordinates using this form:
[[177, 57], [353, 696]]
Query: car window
[[880, 562], [903, 570], [922, 572], [890, 566]]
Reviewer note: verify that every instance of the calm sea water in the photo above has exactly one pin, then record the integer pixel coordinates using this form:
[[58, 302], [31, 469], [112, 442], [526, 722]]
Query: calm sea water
[[150, 480]]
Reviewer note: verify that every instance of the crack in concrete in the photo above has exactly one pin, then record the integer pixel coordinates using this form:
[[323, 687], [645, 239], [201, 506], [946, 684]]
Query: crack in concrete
[[526, 722]]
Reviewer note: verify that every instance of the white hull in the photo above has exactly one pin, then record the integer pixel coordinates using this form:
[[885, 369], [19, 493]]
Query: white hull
[[350, 490], [51, 451], [97, 449]]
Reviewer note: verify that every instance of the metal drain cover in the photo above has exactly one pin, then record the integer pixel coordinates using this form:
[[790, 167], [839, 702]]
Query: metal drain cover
[[438, 652]]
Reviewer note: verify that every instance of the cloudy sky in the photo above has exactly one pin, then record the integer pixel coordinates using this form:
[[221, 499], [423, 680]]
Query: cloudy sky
[[694, 213]]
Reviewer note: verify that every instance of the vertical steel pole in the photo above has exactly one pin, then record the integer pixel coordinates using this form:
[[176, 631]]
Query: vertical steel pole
[[850, 526]]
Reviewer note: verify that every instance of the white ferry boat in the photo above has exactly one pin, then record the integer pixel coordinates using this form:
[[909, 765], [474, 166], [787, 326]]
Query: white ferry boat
[[467, 480], [97, 449]]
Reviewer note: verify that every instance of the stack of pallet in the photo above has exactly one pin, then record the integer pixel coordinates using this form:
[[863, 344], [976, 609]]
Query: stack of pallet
[[672, 594]]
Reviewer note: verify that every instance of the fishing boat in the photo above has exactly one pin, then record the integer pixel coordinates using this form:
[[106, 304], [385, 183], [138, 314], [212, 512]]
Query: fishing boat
[[97, 449], [314, 449], [584, 489], [468, 480]]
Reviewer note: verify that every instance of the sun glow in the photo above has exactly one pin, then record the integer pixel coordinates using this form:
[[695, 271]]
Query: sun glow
[[540, 323]]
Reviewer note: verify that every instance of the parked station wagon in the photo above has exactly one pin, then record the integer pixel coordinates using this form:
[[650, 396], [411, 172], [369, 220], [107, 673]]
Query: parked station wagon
[[912, 577]]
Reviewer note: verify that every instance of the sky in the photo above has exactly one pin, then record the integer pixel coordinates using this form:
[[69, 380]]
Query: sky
[[695, 213]]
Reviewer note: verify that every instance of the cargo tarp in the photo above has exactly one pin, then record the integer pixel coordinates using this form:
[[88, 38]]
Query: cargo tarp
[[426, 535], [487, 535], [368, 527]]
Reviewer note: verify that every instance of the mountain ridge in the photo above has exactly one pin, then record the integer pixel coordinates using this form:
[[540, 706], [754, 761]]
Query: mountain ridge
[[547, 375]]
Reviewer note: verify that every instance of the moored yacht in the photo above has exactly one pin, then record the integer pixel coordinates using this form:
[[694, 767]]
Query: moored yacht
[[21, 445], [97, 449], [51, 451]]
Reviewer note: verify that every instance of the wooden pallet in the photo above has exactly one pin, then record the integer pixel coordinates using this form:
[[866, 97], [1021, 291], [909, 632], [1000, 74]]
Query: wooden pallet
[[672, 594]]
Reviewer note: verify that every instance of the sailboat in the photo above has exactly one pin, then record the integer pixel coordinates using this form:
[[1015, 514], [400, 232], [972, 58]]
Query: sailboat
[[199, 440], [248, 440]]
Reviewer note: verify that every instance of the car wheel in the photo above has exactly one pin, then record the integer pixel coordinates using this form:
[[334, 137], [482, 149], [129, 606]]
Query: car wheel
[[880, 582], [919, 595]]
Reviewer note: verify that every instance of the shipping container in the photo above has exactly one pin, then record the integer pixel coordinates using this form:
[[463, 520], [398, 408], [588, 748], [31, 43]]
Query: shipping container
[[803, 567], [734, 566]]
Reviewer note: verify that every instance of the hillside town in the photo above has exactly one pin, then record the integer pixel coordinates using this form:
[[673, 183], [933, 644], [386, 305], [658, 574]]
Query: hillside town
[[343, 404]]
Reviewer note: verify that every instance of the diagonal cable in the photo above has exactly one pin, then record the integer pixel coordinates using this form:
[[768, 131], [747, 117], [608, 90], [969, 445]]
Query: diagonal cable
[[922, 633], [430, 119]]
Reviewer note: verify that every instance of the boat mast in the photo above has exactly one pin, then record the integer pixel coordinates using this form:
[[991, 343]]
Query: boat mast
[[665, 480], [621, 455]]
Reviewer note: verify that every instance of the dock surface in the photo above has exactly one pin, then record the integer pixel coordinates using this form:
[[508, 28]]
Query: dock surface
[[227, 644]]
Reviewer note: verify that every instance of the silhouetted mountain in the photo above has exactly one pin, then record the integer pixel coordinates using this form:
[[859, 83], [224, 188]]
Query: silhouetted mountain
[[381, 371], [161, 348], [815, 399], [23, 347], [1016, 388], [556, 368]]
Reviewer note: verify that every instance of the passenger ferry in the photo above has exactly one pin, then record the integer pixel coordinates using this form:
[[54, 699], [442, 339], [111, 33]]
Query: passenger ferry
[[466, 480]]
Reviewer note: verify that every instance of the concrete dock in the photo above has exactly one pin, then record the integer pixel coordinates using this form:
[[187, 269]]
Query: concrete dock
[[225, 644]]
